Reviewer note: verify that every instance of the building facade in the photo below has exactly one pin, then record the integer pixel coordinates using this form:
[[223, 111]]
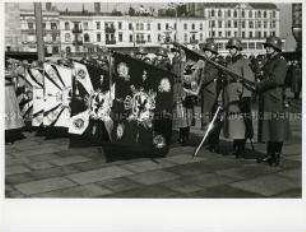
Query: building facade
[[12, 27], [252, 22], [84, 32]]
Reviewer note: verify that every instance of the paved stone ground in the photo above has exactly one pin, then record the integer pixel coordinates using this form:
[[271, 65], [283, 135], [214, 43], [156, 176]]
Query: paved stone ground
[[40, 168]]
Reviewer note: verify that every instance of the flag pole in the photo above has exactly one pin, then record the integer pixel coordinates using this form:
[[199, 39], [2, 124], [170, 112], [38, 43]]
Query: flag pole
[[39, 31]]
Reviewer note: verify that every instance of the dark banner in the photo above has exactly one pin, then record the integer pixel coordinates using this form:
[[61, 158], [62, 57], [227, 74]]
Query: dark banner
[[142, 107]]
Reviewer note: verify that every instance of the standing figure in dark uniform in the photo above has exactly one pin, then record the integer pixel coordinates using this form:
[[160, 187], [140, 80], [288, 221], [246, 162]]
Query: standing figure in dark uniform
[[271, 90], [237, 100], [209, 94], [162, 60]]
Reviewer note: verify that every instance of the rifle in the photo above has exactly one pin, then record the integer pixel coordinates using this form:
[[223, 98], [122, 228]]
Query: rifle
[[247, 83]]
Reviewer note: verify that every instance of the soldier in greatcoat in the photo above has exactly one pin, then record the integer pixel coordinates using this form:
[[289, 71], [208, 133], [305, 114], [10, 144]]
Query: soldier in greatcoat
[[237, 99], [274, 127]]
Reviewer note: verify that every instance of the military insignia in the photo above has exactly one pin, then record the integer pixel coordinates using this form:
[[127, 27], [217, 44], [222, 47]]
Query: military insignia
[[78, 123], [159, 141], [123, 70], [81, 74], [164, 85], [120, 131]]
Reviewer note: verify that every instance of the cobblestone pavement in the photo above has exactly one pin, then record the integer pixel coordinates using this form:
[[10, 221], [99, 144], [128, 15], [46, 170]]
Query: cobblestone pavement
[[36, 167]]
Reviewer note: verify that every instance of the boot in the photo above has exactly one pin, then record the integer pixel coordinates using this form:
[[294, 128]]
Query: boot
[[186, 133], [181, 139], [235, 147], [275, 160], [268, 155]]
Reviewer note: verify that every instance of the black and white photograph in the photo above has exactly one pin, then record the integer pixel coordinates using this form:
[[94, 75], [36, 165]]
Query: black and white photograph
[[172, 100]]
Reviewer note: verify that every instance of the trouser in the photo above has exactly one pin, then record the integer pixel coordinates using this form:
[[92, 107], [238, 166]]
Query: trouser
[[184, 134]]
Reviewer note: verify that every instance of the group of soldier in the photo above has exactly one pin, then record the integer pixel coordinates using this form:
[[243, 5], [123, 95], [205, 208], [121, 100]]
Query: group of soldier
[[202, 81], [212, 85]]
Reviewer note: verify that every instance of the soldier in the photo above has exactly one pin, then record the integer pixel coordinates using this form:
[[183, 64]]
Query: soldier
[[209, 94], [237, 100], [141, 53], [271, 90], [162, 60]]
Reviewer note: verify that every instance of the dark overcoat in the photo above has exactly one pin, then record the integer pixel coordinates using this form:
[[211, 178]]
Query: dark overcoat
[[275, 125]]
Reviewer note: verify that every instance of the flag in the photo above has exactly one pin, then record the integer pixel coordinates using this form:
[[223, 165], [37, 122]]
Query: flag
[[58, 87], [91, 104], [142, 107], [35, 78]]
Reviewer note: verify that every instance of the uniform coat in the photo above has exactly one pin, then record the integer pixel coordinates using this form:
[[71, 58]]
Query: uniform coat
[[275, 124], [234, 91], [209, 92]]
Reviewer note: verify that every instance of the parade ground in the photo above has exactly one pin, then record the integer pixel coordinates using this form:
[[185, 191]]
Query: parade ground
[[37, 167]]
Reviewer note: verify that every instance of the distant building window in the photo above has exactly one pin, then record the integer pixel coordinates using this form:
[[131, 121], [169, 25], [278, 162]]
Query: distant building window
[[265, 24], [265, 34], [259, 14], [120, 37], [244, 45], [137, 26], [53, 26], [201, 37], [259, 34], [130, 26], [219, 13], [55, 50], [243, 14], [67, 37], [212, 13], [220, 24], [243, 24], [229, 24], [220, 45], [98, 24], [193, 26], [235, 14], [243, 34], [141, 26], [251, 24], [31, 25], [235, 33], [85, 25], [86, 38], [148, 26], [229, 13], [250, 34], [67, 26], [259, 45], [229, 34], [251, 45], [159, 38], [201, 26], [167, 26], [159, 26], [185, 37], [220, 34], [53, 37], [272, 33], [149, 39], [265, 14], [68, 50], [98, 37], [120, 25], [274, 14], [174, 26], [235, 24], [250, 14], [185, 26], [131, 38], [44, 25], [213, 34]]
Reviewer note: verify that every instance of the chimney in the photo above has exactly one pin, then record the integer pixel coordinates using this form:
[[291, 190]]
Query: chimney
[[97, 7], [48, 6]]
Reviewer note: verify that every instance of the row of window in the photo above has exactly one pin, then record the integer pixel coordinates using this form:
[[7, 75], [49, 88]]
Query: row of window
[[235, 23], [245, 45], [53, 26], [235, 13], [251, 34]]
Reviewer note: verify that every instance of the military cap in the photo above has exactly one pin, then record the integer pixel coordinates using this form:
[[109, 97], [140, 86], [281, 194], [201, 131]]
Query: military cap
[[273, 42], [234, 43], [162, 52], [209, 46]]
